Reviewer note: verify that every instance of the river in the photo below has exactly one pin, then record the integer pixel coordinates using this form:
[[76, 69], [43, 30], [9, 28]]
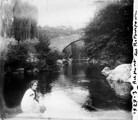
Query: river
[[77, 90]]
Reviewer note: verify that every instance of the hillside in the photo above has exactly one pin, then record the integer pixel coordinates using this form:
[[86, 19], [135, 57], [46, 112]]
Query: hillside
[[109, 36], [54, 32]]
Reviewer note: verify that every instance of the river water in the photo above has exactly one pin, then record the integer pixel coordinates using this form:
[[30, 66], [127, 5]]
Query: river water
[[76, 90]]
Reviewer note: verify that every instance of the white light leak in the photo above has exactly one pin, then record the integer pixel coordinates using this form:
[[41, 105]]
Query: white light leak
[[60, 105], [74, 13], [65, 102]]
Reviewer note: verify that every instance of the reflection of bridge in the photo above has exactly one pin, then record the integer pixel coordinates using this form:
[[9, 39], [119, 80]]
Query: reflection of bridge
[[63, 42]]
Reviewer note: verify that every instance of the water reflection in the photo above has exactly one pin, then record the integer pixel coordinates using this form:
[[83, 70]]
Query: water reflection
[[61, 105], [15, 85], [76, 88]]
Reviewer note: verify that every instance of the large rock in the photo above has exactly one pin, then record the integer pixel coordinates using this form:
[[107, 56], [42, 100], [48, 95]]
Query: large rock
[[119, 79], [106, 71], [120, 73]]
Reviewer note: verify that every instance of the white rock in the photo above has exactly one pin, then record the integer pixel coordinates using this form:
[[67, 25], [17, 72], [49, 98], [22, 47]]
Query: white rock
[[120, 73], [106, 71]]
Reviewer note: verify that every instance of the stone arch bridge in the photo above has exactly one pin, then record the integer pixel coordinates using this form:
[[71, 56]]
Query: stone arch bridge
[[61, 43]]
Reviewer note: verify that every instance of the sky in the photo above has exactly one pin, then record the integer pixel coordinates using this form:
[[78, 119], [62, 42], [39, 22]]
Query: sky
[[74, 13], [70, 13]]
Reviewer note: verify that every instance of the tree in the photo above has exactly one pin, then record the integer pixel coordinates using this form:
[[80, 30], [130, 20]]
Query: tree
[[109, 35], [24, 28], [16, 56], [24, 21]]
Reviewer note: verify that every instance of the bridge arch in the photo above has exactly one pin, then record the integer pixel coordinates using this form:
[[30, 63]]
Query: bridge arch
[[71, 44], [63, 42]]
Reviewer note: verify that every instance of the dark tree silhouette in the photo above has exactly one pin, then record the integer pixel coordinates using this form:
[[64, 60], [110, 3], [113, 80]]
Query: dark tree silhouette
[[109, 36]]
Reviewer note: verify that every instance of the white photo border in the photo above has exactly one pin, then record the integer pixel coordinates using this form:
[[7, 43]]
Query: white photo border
[[134, 73]]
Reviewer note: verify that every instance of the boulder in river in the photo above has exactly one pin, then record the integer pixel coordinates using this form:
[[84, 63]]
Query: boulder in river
[[120, 73], [106, 71], [119, 79]]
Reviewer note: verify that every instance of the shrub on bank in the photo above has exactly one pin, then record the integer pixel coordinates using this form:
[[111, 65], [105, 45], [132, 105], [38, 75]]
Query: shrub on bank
[[16, 56], [30, 56]]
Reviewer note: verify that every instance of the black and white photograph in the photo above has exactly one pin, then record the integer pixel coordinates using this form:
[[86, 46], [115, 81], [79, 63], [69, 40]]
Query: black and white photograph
[[68, 60]]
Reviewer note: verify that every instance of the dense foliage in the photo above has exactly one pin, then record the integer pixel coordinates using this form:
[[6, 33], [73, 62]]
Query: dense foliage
[[19, 20], [47, 57], [31, 54], [24, 28], [109, 36], [31, 43], [16, 57]]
